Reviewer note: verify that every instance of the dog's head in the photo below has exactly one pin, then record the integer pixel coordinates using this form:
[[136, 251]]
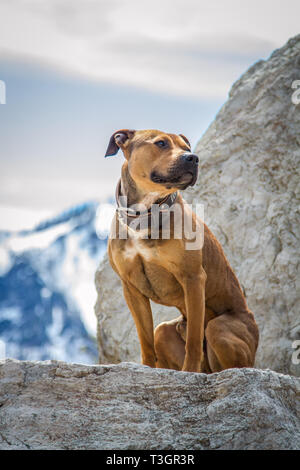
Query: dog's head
[[156, 161]]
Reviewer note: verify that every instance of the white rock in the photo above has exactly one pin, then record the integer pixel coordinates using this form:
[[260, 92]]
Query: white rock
[[54, 405]]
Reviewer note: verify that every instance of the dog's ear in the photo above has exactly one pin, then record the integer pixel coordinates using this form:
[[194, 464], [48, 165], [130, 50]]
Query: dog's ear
[[117, 140], [185, 139]]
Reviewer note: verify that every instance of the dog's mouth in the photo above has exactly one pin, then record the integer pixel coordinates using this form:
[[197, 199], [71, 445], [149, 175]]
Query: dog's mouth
[[175, 180]]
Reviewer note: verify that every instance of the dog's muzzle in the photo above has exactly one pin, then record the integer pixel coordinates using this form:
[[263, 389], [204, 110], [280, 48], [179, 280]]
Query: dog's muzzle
[[181, 174]]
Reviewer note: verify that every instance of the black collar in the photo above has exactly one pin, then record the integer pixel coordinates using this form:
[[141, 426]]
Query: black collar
[[128, 215]]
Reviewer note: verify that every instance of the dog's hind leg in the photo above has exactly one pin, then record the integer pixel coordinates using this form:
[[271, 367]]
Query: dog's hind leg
[[231, 341], [169, 345], [170, 341]]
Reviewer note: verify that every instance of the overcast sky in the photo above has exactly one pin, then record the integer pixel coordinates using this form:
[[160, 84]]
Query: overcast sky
[[77, 70]]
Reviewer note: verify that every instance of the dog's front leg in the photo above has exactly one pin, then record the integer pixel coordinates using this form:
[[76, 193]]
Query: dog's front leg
[[194, 294], [140, 308]]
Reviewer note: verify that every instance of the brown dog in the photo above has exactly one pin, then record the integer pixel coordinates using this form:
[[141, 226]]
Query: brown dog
[[215, 330]]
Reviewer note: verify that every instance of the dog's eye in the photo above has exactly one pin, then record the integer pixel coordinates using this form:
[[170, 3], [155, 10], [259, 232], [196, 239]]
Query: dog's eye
[[161, 143]]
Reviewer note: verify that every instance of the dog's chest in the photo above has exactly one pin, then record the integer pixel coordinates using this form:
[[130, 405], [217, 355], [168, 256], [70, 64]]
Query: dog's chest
[[134, 248], [141, 263]]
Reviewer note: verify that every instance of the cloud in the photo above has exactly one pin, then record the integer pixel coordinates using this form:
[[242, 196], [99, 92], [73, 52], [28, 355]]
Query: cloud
[[192, 48], [22, 191]]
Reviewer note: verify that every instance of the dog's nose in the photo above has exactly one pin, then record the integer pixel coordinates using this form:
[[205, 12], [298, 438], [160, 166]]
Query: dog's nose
[[190, 158]]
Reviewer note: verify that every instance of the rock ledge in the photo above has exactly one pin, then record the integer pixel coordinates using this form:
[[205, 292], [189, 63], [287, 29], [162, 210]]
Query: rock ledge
[[54, 405]]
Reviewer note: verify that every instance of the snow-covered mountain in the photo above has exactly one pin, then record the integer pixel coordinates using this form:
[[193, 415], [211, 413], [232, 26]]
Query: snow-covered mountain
[[47, 291]]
